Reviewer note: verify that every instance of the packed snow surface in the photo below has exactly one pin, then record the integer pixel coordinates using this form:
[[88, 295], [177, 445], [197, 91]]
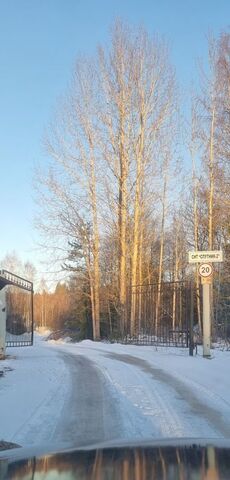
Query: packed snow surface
[[58, 393]]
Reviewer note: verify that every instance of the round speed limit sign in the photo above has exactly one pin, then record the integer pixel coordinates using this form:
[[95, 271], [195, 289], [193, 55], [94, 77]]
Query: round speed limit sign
[[205, 270]]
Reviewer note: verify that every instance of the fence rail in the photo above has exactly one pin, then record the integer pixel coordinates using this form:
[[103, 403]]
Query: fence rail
[[164, 337], [154, 315], [159, 306]]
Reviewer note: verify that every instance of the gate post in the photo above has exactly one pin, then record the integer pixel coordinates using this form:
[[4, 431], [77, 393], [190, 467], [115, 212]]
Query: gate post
[[32, 314], [2, 323], [191, 345]]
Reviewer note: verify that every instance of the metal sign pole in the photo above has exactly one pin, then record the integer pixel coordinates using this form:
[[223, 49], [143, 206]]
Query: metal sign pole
[[206, 321], [191, 343], [205, 257]]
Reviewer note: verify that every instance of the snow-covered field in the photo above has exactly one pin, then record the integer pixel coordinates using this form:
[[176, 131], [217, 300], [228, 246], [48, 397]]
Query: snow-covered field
[[58, 393]]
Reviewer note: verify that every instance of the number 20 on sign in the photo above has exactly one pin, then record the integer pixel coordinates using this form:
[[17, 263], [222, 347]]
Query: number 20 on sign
[[205, 270]]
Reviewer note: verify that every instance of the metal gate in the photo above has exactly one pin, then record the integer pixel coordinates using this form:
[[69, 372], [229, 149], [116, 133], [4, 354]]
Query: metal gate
[[161, 314], [18, 309], [221, 303]]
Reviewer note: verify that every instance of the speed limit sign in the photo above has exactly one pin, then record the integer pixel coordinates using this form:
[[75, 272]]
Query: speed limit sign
[[205, 270]]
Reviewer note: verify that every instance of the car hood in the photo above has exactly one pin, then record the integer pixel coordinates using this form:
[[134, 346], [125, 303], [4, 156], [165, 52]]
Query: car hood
[[167, 459]]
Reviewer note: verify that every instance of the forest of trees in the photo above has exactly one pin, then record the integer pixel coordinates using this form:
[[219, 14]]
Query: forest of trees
[[133, 184]]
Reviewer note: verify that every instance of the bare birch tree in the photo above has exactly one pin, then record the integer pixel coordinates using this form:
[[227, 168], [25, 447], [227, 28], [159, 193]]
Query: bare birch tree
[[214, 129], [139, 91], [213, 135], [107, 147]]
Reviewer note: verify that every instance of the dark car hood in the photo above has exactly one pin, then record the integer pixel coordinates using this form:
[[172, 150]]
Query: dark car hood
[[168, 459]]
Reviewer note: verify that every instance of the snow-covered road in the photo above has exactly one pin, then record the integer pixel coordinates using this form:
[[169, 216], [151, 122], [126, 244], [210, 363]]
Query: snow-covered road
[[78, 394]]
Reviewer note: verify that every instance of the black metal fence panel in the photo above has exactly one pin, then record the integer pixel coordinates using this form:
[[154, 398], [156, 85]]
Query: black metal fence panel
[[154, 315], [159, 306], [19, 317], [169, 314], [221, 313], [164, 337]]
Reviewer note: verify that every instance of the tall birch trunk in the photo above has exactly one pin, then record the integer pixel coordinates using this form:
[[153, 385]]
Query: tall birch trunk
[[122, 223], [91, 286], [210, 205], [195, 220], [92, 307], [158, 300], [140, 280], [136, 228], [175, 279], [211, 183], [96, 274]]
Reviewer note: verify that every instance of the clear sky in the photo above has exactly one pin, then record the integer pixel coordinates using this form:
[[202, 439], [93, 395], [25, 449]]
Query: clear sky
[[39, 41]]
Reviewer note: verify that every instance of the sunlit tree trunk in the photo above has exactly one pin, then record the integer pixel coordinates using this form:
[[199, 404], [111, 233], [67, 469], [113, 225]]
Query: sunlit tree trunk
[[161, 256], [140, 279], [211, 182], [175, 277], [210, 205], [96, 277], [122, 222], [195, 221], [137, 216]]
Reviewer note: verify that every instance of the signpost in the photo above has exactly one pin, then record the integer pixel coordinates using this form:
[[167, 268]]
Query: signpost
[[202, 256], [206, 272]]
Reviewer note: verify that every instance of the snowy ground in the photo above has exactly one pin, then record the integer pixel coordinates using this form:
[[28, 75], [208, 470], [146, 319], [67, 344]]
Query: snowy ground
[[76, 394]]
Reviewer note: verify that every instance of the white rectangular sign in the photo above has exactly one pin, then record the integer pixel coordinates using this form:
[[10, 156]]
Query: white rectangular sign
[[205, 256]]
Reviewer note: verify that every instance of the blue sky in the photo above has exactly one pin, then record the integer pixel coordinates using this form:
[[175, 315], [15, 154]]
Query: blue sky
[[39, 41]]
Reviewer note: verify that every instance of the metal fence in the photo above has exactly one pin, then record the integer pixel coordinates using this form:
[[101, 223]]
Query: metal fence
[[19, 314], [160, 314], [168, 314], [221, 313], [154, 315], [18, 309], [164, 337]]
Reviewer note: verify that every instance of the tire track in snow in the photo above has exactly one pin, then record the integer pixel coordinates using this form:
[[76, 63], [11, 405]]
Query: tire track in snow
[[150, 404], [192, 408]]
